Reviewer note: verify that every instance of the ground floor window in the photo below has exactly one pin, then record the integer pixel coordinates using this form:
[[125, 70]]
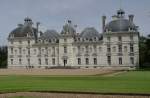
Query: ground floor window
[[20, 61], [46, 61], [132, 60], [39, 61], [53, 61], [12, 61], [79, 61], [87, 61], [95, 61], [109, 60], [120, 60], [29, 62]]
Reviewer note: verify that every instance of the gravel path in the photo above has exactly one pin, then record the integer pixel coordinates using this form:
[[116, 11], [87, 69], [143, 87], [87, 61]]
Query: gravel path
[[54, 71], [62, 95]]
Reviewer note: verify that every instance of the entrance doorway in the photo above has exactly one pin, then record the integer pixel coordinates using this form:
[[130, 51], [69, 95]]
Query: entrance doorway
[[65, 62]]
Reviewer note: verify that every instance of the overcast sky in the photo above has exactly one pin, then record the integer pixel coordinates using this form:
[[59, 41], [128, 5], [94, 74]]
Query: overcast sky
[[84, 13]]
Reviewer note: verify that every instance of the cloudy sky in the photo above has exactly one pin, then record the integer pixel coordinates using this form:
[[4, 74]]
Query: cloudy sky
[[84, 13]]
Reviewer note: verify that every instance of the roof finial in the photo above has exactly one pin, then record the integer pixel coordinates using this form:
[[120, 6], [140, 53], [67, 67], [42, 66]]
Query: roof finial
[[120, 4]]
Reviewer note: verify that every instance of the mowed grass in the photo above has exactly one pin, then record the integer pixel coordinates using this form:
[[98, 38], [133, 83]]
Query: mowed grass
[[128, 82]]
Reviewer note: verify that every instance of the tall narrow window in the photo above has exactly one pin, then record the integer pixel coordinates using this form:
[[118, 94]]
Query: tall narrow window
[[108, 39], [53, 50], [109, 60], [132, 60], [20, 61], [95, 48], [53, 61], [131, 48], [108, 48], [11, 61], [65, 49], [119, 48], [12, 50], [79, 49], [29, 62], [20, 50], [28, 42], [79, 61], [119, 38], [120, 61], [39, 50], [95, 61], [39, 61], [28, 51], [87, 61], [131, 38], [86, 47], [46, 61]]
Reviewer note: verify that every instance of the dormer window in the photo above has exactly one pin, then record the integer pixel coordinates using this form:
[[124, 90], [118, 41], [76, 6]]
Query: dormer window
[[50, 40], [95, 38]]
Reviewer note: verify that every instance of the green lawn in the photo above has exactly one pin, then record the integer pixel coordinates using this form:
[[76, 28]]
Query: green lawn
[[129, 82]]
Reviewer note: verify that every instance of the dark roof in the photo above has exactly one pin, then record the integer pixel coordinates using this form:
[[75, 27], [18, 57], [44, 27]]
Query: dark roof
[[22, 31], [50, 34], [89, 32], [68, 28]]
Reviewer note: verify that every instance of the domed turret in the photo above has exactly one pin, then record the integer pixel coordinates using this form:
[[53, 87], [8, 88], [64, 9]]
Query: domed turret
[[68, 29], [24, 30], [120, 24]]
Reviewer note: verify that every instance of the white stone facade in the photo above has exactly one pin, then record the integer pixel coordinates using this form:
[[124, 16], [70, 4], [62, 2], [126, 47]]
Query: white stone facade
[[118, 48]]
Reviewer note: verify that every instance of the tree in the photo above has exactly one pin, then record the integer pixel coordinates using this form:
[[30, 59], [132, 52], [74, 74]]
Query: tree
[[3, 56]]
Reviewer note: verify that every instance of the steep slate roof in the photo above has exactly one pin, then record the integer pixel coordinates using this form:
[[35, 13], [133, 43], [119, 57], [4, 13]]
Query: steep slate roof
[[89, 32], [50, 34]]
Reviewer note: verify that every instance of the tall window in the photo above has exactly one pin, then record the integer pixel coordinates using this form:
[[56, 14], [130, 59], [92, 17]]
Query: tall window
[[120, 60], [11, 61], [78, 49], [108, 39], [109, 60], [119, 38], [131, 38], [53, 61], [87, 61], [79, 61], [39, 50], [46, 61], [12, 50], [20, 42], [28, 42], [120, 48], [28, 51], [131, 60], [29, 62], [95, 50], [20, 61], [125, 49], [53, 50], [20, 52], [108, 48], [86, 48], [65, 49], [95, 61], [39, 61], [131, 48]]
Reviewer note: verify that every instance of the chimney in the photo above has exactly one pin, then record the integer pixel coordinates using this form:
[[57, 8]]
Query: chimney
[[131, 18], [103, 23], [37, 31]]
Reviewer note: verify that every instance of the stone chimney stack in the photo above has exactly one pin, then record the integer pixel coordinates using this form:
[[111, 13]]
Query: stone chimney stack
[[37, 31], [103, 23], [131, 18]]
